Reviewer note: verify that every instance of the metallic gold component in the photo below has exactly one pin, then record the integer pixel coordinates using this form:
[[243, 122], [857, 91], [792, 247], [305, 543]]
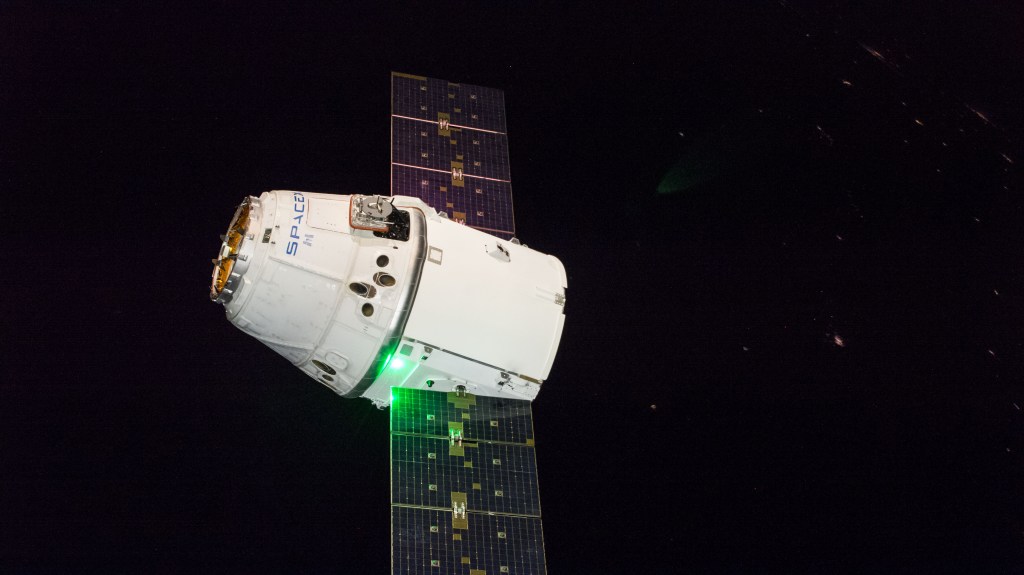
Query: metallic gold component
[[232, 241], [455, 450], [459, 517], [457, 176], [465, 560], [455, 431], [443, 123], [461, 401]]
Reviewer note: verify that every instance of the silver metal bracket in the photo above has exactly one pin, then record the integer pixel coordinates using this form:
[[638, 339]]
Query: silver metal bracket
[[459, 509], [455, 437], [371, 212]]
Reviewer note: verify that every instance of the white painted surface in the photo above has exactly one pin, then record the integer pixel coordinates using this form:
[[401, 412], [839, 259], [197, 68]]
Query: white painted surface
[[496, 311], [485, 317]]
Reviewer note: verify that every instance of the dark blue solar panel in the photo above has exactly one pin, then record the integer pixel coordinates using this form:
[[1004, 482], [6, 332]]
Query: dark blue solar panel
[[481, 204], [418, 143], [449, 148], [495, 477], [469, 506], [425, 542], [494, 419], [473, 106]]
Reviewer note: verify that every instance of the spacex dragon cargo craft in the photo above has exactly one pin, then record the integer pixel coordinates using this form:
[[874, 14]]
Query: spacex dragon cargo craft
[[450, 321], [368, 292], [365, 293]]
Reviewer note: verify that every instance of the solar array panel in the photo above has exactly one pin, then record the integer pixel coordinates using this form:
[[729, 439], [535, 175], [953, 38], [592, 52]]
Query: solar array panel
[[449, 148], [464, 495], [494, 419]]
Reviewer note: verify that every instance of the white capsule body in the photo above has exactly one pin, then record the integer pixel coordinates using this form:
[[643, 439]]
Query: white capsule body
[[449, 306]]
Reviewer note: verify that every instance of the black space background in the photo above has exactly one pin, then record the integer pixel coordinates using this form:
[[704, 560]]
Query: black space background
[[700, 416]]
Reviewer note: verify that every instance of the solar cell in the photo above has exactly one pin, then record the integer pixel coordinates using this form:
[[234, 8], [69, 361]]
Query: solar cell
[[495, 477], [424, 541], [483, 418], [449, 148], [464, 490]]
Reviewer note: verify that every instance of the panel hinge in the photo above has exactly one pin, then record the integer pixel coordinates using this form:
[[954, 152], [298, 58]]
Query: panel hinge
[[455, 436], [459, 517]]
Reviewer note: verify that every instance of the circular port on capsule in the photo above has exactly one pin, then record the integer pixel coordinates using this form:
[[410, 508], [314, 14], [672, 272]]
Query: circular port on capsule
[[382, 261], [324, 367], [367, 309], [362, 289], [384, 279], [326, 377]]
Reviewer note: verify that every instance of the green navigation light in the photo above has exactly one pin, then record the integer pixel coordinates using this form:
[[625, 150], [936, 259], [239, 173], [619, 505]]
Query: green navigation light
[[397, 363]]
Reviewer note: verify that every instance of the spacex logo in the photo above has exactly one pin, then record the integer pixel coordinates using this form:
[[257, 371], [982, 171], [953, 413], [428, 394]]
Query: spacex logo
[[299, 210]]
